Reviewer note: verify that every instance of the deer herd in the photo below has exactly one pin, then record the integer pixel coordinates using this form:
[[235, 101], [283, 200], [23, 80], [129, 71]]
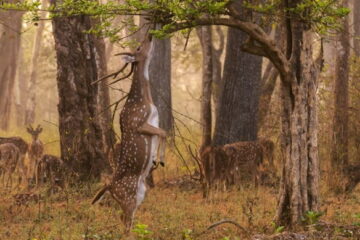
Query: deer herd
[[141, 148], [28, 160]]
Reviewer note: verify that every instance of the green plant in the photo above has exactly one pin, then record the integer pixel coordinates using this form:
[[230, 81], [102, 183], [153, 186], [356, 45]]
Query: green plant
[[186, 234], [357, 216], [312, 217], [277, 229], [142, 232]]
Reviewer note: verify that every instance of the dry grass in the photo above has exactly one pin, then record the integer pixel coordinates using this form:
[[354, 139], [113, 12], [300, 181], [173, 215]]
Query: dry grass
[[173, 210], [170, 210]]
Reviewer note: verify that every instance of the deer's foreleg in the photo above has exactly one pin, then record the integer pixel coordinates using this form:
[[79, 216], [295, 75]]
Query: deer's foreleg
[[151, 130]]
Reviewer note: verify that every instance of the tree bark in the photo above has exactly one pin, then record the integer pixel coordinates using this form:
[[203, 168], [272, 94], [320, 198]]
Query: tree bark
[[205, 37], [356, 11], [340, 140], [10, 30], [160, 82], [80, 132], [217, 69], [237, 116], [300, 178], [104, 112], [32, 89]]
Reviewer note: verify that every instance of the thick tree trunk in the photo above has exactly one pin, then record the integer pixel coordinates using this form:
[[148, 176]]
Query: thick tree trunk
[[80, 132], [267, 88], [31, 98], [10, 30], [205, 36], [300, 178], [237, 116], [340, 140], [160, 82]]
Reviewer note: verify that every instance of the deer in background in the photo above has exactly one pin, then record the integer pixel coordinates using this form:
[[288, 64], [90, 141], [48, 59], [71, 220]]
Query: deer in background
[[36, 150], [236, 163], [139, 125], [22, 145], [9, 158], [50, 169]]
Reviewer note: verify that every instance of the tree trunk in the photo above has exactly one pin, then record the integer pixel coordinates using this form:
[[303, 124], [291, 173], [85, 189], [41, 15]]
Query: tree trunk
[[356, 11], [339, 153], [217, 69], [205, 36], [31, 98], [80, 132], [10, 30], [237, 116], [21, 91], [104, 112], [160, 82], [300, 178]]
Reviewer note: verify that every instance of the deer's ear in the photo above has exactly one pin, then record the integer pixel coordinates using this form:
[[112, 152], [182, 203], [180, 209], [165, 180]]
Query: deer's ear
[[128, 59]]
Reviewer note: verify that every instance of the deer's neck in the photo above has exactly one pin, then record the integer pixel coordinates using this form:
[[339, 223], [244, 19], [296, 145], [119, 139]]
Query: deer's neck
[[140, 88]]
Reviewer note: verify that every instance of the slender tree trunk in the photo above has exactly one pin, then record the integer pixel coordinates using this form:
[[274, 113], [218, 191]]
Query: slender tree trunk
[[300, 179], [21, 90], [237, 116], [31, 98], [205, 36], [356, 11], [104, 112], [10, 29], [339, 158], [80, 132], [217, 69]]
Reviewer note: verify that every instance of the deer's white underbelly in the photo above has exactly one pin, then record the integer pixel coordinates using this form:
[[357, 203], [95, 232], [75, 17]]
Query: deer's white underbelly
[[153, 120]]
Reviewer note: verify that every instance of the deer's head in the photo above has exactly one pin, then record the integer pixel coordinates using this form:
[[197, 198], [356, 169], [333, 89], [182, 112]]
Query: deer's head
[[34, 132]]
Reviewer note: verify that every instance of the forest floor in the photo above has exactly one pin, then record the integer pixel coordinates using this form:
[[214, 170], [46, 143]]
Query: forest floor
[[173, 210]]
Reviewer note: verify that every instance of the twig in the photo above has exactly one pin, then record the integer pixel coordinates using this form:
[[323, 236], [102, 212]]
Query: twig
[[226, 221]]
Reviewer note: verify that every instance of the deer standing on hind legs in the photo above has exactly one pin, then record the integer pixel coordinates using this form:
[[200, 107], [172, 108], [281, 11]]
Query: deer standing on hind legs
[[139, 125], [36, 150]]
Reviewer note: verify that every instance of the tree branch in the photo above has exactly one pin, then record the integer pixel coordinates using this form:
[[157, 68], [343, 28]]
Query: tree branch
[[270, 49]]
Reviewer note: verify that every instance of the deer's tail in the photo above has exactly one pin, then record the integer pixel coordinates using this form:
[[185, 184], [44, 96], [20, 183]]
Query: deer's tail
[[99, 194]]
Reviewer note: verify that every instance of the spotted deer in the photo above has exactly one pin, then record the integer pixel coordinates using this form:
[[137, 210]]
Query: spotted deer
[[9, 158], [23, 148], [36, 150], [141, 137], [237, 162], [50, 169]]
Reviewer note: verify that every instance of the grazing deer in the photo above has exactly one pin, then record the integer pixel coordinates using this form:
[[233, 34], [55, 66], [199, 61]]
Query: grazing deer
[[139, 125], [23, 148], [50, 169], [36, 150], [232, 163], [9, 158]]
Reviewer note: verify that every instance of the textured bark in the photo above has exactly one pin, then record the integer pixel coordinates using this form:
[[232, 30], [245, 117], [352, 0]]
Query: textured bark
[[10, 28], [160, 82], [104, 112], [356, 11], [237, 116], [31, 99], [21, 91], [80, 132], [205, 36], [217, 69], [340, 140], [267, 89], [300, 177]]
